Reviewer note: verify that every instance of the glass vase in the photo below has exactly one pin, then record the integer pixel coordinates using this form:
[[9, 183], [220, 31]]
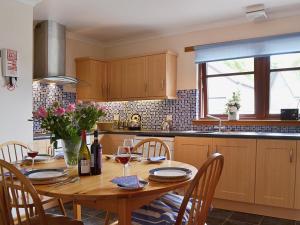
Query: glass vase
[[71, 150]]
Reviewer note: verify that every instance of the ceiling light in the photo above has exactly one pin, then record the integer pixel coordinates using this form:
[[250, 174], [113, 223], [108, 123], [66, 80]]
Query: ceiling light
[[256, 13]]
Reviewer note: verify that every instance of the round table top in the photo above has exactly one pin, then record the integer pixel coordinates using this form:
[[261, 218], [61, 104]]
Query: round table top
[[101, 187]]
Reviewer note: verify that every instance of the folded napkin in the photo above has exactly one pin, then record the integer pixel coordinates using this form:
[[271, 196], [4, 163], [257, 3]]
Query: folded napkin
[[157, 158], [127, 181]]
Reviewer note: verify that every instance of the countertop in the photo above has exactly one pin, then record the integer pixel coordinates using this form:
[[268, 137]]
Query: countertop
[[230, 134]]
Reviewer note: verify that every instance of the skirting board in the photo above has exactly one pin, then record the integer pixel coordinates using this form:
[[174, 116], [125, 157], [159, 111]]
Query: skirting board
[[292, 214]]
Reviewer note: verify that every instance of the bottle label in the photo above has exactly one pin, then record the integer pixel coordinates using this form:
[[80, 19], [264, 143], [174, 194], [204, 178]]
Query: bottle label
[[85, 166], [92, 160]]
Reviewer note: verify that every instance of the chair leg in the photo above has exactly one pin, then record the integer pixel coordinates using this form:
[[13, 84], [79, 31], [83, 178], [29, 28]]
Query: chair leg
[[62, 207], [31, 211], [107, 216]]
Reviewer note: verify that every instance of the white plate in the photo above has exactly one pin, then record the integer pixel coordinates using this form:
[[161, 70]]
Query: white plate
[[45, 174], [39, 158], [170, 172]]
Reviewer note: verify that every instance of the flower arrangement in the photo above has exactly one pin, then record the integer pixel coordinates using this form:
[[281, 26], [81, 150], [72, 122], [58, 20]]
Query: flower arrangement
[[67, 123], [233, 105]]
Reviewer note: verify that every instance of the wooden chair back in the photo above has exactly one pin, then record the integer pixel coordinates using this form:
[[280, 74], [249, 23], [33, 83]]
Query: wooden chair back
[[15, 192], [201, 191], [152, 147], [13, 151]]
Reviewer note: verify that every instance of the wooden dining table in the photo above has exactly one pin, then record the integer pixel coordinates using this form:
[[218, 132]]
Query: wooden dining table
[[100, 193]]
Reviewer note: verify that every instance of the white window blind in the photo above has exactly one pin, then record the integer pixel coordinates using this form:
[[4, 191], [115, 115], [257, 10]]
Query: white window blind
[[255, 47]]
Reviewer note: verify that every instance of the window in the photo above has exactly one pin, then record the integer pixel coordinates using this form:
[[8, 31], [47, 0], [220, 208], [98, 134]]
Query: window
[[284, 82], [226, 77], [266, 85]]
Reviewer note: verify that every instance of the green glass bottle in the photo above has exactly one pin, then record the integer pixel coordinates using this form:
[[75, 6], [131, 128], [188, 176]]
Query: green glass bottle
[[84, 158]]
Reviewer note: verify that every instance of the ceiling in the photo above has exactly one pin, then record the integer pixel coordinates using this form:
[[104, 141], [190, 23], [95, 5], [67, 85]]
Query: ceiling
[[111, 21]]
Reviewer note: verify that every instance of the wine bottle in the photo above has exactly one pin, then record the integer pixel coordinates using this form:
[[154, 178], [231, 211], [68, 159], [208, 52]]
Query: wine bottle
[[96, 156], [84, 158]]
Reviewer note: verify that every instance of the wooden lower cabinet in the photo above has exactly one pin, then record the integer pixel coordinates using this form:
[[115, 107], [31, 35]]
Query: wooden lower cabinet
[[192, 150], [297, 188], [41, 146], [275, 173], [111, 142], [237, 181]]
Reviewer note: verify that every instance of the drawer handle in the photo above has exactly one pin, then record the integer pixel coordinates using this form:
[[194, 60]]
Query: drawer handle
[[291, 155]]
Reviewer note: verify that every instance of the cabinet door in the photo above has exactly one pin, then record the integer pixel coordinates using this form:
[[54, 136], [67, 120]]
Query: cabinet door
[[192, 150], [275, 173], [156, 71], [92, 80], [237, 181], [115, 75], [297, 189], [101, 81], [111, 142], [134, 79]]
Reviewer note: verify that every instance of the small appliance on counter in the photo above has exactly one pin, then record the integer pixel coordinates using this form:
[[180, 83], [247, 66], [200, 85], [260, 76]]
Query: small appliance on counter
[[135, 122], [289, 114]]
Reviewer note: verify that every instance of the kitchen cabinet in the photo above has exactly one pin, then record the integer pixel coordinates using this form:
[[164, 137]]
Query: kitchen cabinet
[[115, 77], [92, 79], [192, 150], [237, 181], [111, 142], [161, 71], [275, 173], [297, 189], [143, 77], [134, 83]]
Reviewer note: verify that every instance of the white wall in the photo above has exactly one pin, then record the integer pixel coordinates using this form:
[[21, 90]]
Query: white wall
[[16, 106], [79, 48], [186, 76]]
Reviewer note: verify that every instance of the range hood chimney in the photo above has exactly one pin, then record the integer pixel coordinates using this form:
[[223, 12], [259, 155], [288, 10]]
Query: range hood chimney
[[50, 53]]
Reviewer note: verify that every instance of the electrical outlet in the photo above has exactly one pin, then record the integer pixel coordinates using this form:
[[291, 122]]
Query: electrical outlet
[[169, 117], [116, 117]]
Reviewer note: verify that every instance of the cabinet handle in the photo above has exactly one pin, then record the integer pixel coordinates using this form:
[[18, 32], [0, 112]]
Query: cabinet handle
[[162, 84], [291, 155], [207, 154], [145, 87]]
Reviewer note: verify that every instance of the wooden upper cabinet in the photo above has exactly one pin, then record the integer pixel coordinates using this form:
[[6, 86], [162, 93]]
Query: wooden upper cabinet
[[134, 78], [161, 72], [297, 188], [144, 77], [92, 79], [115, 76], [192, 150], [275, 173], [237, 181]]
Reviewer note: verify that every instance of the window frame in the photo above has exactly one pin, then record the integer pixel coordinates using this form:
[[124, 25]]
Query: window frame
[[262, 72]]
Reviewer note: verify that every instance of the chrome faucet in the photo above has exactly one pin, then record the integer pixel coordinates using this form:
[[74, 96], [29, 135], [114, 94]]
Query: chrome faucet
[[217, 118]]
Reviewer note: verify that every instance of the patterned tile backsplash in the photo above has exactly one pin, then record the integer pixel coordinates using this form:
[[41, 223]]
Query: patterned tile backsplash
[[183, 110]]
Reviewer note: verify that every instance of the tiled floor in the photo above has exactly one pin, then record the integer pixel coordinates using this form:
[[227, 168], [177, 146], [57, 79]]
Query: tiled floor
[[216, 217]]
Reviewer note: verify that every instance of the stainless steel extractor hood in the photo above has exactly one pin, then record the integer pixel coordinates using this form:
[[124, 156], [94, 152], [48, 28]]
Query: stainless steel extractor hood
[[50, 53]]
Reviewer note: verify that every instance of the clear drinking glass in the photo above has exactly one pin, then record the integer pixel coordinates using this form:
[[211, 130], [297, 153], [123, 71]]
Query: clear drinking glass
[[129, 143], [123, 156], [32, 155]]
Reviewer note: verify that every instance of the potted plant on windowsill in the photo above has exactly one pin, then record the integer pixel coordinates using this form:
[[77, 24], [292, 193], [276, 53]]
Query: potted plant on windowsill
[[67, 124], [233, 105]]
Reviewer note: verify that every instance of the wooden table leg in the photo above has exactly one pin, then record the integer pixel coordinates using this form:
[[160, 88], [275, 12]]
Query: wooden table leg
[[77, 211], [124, 212]]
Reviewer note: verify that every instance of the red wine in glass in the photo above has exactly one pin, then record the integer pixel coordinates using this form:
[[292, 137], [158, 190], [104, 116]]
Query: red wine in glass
[[32, 155], [123, 156]]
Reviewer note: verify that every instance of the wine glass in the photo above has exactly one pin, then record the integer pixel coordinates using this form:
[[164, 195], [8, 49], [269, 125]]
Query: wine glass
[[32, 154], [129, 143], [123, 156]]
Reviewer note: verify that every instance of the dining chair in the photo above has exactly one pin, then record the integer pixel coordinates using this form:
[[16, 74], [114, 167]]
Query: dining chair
[[191, 209], [152, 147], [14, 152], [15, 193]]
